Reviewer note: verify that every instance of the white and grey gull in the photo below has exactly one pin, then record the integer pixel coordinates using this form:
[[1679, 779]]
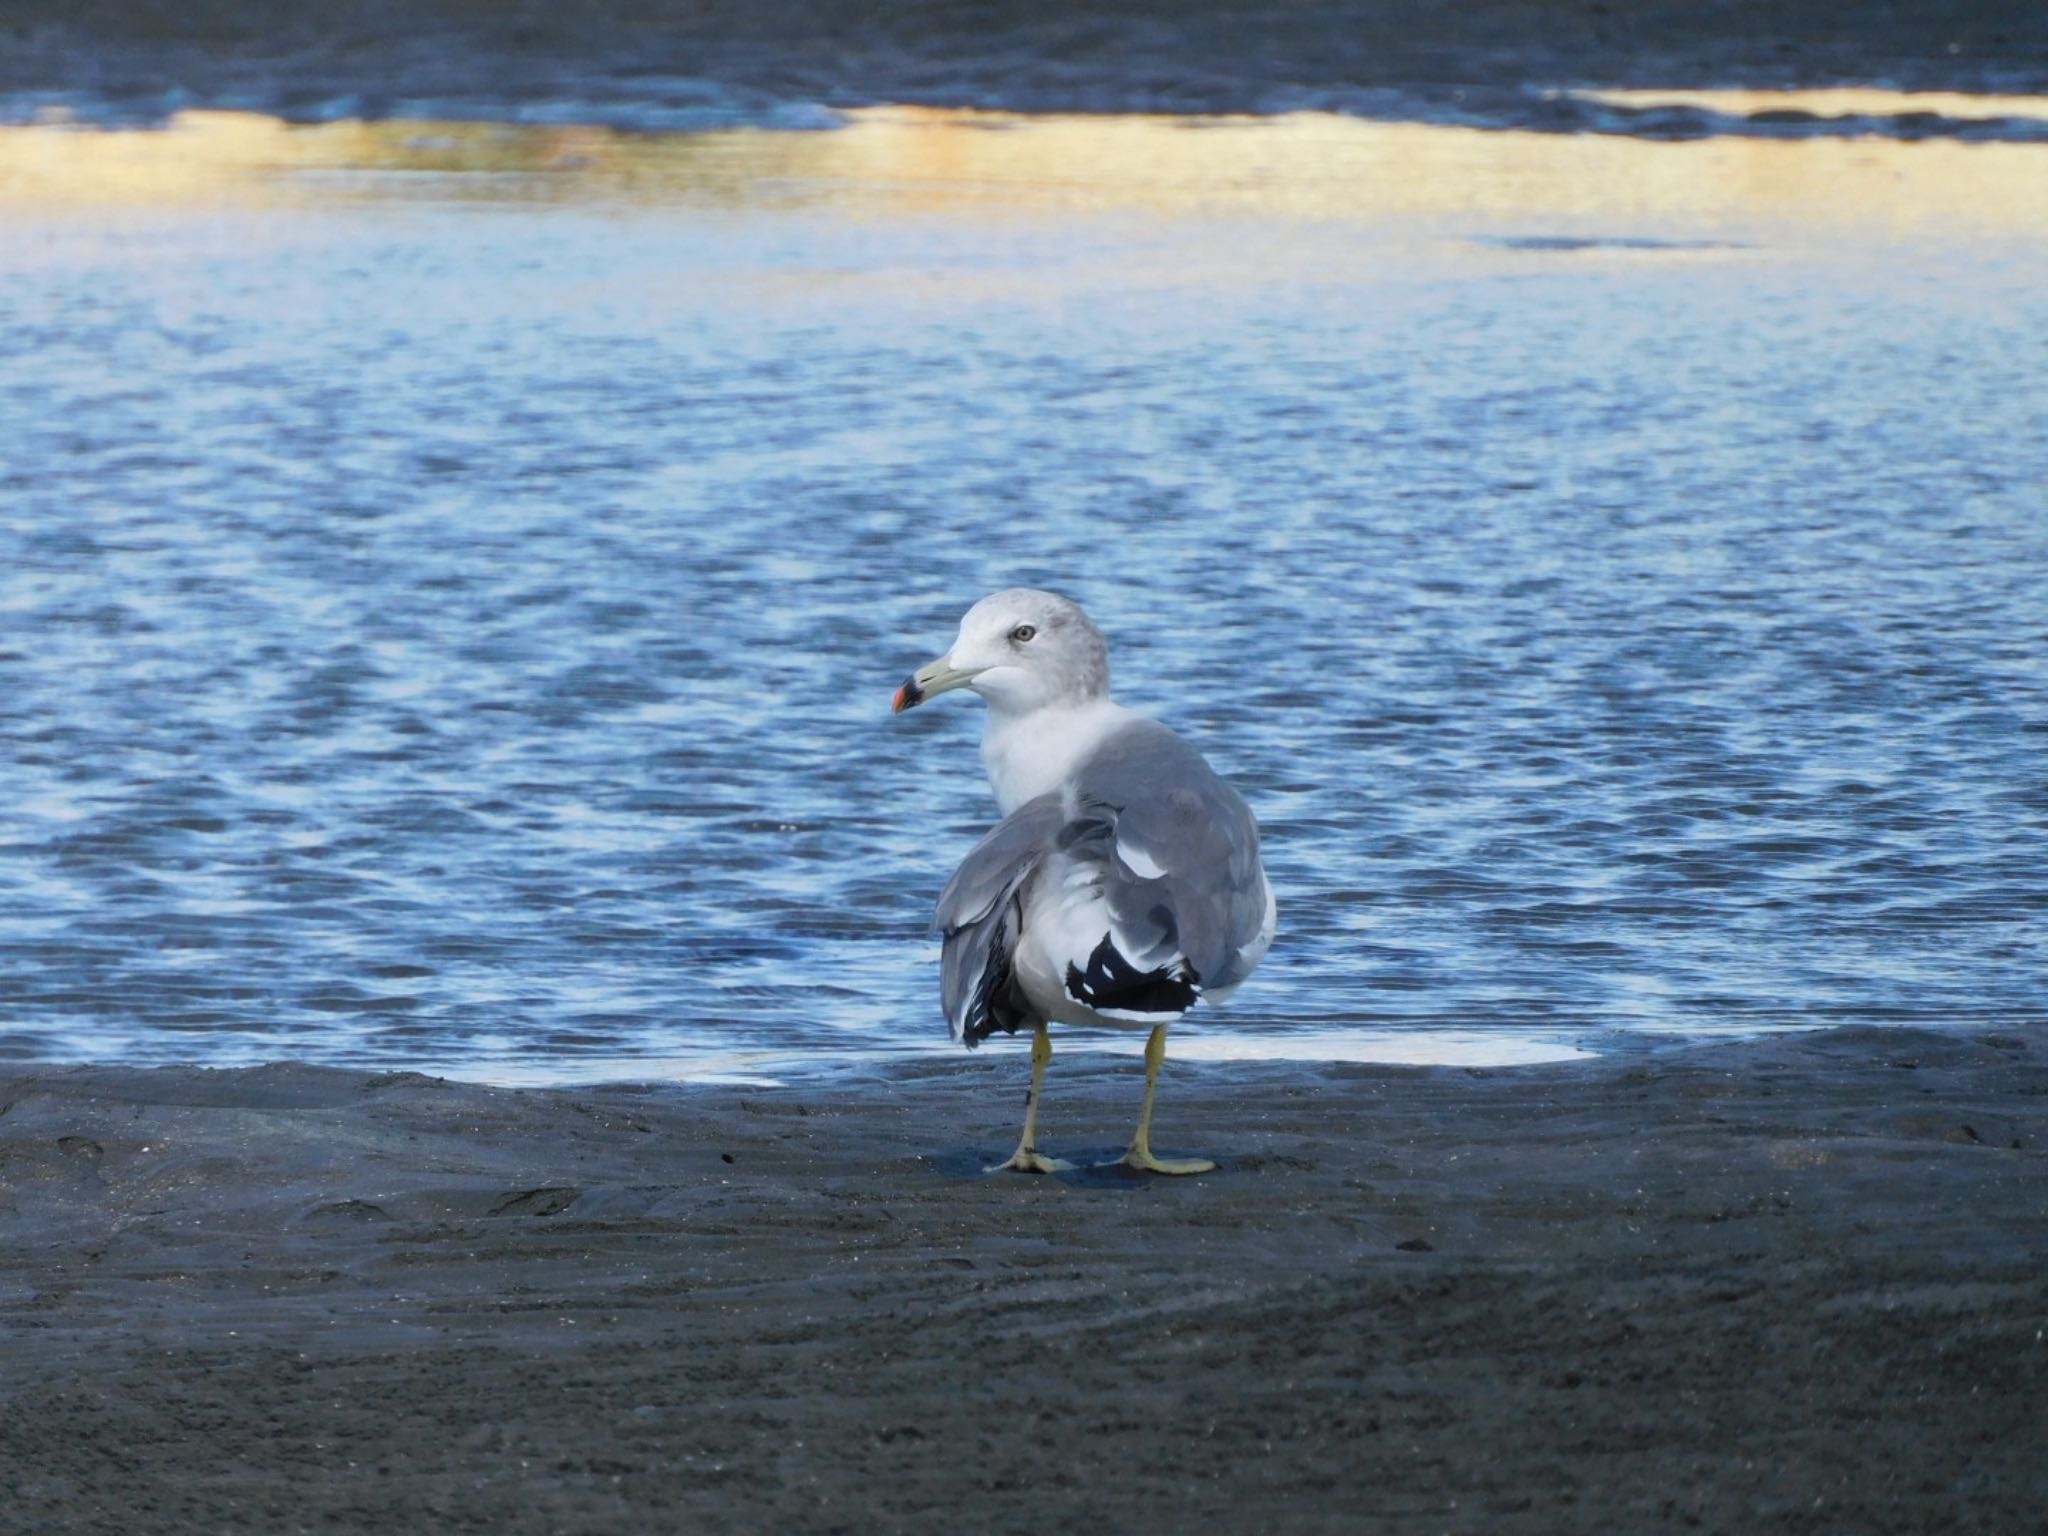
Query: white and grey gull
[[1123, 885]]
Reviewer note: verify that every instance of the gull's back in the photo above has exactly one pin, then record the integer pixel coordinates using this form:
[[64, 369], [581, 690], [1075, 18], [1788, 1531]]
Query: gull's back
[[1123, 897]]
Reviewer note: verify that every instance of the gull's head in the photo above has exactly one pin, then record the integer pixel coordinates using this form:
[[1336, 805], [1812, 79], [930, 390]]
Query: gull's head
[[1020, 649]]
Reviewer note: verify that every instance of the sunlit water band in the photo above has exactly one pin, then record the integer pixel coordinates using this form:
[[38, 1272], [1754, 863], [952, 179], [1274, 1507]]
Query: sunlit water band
[[903, 160], [1865, 102]]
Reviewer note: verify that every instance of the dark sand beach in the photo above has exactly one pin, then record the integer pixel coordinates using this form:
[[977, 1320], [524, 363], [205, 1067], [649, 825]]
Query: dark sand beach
[[1785, 1285]]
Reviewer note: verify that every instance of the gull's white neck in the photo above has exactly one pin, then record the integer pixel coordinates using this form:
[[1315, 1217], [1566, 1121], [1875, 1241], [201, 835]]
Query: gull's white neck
[[1034, 751]]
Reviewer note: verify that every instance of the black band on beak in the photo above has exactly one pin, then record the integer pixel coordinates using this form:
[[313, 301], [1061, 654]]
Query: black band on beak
[[909, 696]]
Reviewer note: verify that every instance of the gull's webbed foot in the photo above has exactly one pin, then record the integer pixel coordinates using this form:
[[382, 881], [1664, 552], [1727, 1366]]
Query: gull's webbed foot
[[1141, 1160], [1030, 1160]]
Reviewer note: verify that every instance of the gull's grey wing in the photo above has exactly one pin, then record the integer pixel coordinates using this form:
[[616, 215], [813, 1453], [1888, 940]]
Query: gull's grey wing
[[1142, 880], [1178, 853], [979, 916]]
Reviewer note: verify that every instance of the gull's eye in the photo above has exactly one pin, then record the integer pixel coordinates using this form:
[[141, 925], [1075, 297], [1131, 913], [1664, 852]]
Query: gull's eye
[[1022, 633]]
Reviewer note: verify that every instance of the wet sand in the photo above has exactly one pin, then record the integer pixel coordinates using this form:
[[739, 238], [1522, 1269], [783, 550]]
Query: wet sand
[[470, 56], [1789, 1285]]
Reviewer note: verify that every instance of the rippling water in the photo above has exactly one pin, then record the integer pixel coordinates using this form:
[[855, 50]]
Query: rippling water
[[451, 581]]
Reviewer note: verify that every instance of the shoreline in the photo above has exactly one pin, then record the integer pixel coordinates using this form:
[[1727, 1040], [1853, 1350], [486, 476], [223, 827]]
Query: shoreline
[[637, 63], [1794, 1283]]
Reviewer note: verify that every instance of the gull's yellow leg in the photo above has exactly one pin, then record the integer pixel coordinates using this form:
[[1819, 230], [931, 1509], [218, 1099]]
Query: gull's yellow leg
[[1027, 1158], [1140, 1156]]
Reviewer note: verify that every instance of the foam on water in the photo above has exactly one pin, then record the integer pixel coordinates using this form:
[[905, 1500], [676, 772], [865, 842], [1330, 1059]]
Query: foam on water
[[1416, 1047]]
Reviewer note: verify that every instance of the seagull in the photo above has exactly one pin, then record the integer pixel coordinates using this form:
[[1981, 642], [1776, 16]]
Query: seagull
[[1122, 885]]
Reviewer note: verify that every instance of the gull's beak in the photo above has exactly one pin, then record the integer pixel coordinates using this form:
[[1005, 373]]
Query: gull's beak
[[940, 676]]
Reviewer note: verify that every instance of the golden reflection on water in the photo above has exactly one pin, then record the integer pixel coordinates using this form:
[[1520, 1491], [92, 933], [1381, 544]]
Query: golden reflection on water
[[1831, 101], [910, 160]]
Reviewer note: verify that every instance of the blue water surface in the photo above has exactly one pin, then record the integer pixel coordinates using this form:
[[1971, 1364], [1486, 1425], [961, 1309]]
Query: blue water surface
[[458, 631]]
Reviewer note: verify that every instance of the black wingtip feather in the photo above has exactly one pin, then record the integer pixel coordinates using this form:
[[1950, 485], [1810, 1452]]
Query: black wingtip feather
[[1112, 984]]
